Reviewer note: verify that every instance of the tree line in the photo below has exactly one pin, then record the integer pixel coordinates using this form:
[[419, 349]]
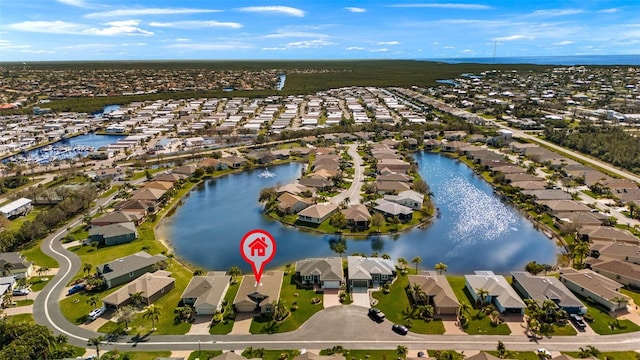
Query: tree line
[[25, 341]]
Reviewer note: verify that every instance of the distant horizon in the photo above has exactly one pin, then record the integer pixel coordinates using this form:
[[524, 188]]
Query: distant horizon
[[137, 30]]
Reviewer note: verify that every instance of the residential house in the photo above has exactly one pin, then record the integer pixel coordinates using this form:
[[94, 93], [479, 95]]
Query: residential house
[[357, 216], [594, 286], [499, 292], [162, 185], [260, 298], [529, 185], [548, 194], [116, 217], [391, 209], [128, 268], [293, 204], [626, 273], [234, 162], [327, 273], [435, 291], [7, 283], [16, 208], [391, 187], [295, 189], [214, 164], [409, 198], [541, 288], [140, 208], [187, 170], [395, 177], [146, 194], [395, 165], [313, 356], [152, 286], [317, 184], [206, 293], [114, 234], [582, 219], [365, 272], [317, 213], [482, 356], [451, 146], [563, 208], [616, 250], [172, 177], [431, 144], [20, 267], [230, 355], [606, 233], [107, 174]]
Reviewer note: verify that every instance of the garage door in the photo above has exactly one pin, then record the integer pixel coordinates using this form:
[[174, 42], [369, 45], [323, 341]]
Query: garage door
[[332, 284]]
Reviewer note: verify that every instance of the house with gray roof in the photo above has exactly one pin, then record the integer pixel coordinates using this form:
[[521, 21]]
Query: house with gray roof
[[409, 198], [625, 273], [21, 268], [548, 194], [606, 233], [317, 213], [259, 298], [116, 217], [365, 272], [206, 293], [541, 288], [313, 356], [616, 250], [152, 286], [435, 291], [594, 286], [391, 209], [128, 268], [500, 293], [325, 272], [114, 234]]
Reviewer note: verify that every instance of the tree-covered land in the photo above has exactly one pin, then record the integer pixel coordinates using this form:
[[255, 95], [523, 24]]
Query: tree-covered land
[[25, 341]]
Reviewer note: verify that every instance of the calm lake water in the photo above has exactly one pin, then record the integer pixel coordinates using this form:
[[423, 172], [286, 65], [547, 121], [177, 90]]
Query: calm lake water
[[476, 230]]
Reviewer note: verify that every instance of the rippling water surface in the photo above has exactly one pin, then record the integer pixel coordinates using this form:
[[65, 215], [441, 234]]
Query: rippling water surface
[[475, 230]]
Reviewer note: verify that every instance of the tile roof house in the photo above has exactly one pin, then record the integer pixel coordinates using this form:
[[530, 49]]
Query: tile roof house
[[261, 298], [391, 209], [390, 187], [152, 286], [317, 213], [369, 272], [114, 234], [616, 250], [435, 291], [115, 217], [21, 268], [541, 288], [173, 177], [156, 184], [395, 165], [500, 293], [293, 204], [606, 233], [206, 293], [594, 286], [325, 272], [128, 268], [625, 273], [357, 216], [548, 194], [148, 194], [409, 198], [295, 189]]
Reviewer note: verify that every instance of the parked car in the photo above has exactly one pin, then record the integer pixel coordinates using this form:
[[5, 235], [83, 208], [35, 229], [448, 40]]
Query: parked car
[[96, 313], [544, 352], [376, 314], [400, 329], [76, 288], [21, 292], [578, 321]]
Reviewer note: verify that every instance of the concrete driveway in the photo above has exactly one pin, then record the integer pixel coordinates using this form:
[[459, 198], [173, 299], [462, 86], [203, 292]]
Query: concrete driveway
[[360, 297], [331, 297]]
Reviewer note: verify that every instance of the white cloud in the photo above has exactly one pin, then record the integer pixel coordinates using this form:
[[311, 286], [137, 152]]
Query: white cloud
[[292, 34], [563, 43], [88, 46], [134, 44], [77, 3], [183, 39], [274, 49], [509, 38], [147, 11], [445, 6], [355, 9], [114, 28], [51, 27], [274, 9], [195, 24], [388, 43], [556, 12], [609, 11], [209, 46], [31, 51], [309, 44], [379, 50], [355, 48], [125, 27]]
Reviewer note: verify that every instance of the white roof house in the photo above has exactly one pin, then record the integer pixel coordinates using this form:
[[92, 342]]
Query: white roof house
[[16, 208]]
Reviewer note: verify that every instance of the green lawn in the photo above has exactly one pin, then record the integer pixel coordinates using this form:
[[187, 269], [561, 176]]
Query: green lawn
[[610, 355], [36, 255], [16, 223], [20, 318], [24, 302], [519, 355], [269, 354], [602, 322], [38, 282], [290, 294], [397, 308], [225, 327], [478, 322], [635, 295], [141, 355], [204, 354]]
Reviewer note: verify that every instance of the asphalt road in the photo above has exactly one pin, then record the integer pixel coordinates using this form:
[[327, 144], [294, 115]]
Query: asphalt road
[[353, 192]]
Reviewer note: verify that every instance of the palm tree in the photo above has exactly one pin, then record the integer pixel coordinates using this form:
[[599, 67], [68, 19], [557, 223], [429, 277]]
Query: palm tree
[[96, 342], [483, 293], [465, 307], [417, 260], [440, 267], [42, 270], [632, 208], [549, 307], [136, 298], [125, 315], [152, 312], [403, 262], [6, 269], [580, 250], [87, 268], [402, 351], [417, 292], [234, 272], [93, 301]]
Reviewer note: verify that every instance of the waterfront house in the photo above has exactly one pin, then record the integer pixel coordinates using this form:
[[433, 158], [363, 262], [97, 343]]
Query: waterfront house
[[563, 208], [317, 213], [327, 273], [317, 184], [187, 170], [595, 287], [128, 268], [170, 177], [499, 292], [616, 250], [115, 217], [395, 177], [295, 189], [206, 293], [162, 185], [606, 233], [548, 194], [391, 187], [152, 286], [113, 234], [234, 162], [140, 208], [293, 204], [20, 267], [16, 208], [214, 164], [434, 290], [391, 209], [357, 216], [365, 272], [409, 198], [626, 273], [147, 194], [259, 298], [541, 288], [395, 165], [529, 185]]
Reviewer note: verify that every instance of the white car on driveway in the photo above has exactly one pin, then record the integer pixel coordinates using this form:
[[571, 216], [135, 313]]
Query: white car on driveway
[[96, 313]]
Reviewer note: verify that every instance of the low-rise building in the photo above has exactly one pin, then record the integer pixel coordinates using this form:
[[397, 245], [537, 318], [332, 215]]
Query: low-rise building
[[365, 272], [259, 298], [206, 293], [595, 287], [114, 234], [327, 273], [128, 268], [542, 288], [435, 290], [19, 266], [152, 286], [487, 287]]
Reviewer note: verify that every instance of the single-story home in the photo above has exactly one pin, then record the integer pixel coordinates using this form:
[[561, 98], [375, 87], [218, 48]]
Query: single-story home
[[293, 204], [625, 273], [409, 198], [128, 268], [325, 272], [365, 272], [594, 286], [357, 216], [391, 209], [16, 208], [260, 298], [606, 233], [114, 234], [115, 217], [498, 292], [317, 213], [616, 250], [20, 267], [541, 288], [435, 291], [206, 293], [151, 286]]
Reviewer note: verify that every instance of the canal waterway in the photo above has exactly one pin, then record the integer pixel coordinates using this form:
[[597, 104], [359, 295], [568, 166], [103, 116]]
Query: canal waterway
[[475, 229]]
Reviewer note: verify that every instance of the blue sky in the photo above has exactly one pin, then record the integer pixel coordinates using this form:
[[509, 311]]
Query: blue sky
[[314, 29]]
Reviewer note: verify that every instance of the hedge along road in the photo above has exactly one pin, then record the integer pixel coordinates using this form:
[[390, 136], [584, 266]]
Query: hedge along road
[[355, 330]]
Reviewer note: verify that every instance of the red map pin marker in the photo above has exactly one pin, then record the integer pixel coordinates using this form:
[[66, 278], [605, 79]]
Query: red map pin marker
[[257, 247]]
